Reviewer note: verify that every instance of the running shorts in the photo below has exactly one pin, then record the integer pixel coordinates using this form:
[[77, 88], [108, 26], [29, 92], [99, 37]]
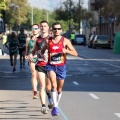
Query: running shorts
[[60, 71]]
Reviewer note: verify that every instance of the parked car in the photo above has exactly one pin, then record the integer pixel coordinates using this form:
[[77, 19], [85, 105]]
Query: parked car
[[80, 39], [90, 41], [101, 41]]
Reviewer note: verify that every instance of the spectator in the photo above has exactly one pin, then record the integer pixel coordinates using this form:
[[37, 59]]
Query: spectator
[[1, 43]]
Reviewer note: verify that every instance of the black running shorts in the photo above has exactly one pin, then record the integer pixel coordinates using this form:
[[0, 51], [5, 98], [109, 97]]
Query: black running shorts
[[21, 50], [41, 69]]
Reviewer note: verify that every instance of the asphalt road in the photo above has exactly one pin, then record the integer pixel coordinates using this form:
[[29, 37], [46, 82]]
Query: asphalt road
[[91, 89]]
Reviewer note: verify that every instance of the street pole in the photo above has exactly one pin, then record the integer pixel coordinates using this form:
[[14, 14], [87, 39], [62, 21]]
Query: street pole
[[32, 15], [100, 21], [79, 17], [47, 16]]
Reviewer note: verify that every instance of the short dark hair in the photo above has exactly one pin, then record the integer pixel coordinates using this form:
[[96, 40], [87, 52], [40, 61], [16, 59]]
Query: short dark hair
[[56, 23], [36, 25], [44, 21]]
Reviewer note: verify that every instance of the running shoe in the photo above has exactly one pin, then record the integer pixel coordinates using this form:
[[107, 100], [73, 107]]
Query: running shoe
[[14, 69], [20, 66], [35, 96], [24, 67], [44, 110], [54, 111], [50, 106], [11, 64]]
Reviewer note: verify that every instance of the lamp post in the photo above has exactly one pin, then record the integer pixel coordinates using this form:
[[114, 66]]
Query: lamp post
[[32, 15], [47, 16], [98, 7]]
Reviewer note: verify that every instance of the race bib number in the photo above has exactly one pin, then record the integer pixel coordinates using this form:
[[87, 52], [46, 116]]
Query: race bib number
[[57, 58]]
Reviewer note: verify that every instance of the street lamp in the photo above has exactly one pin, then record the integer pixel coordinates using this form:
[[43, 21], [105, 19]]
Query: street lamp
[[32, 15], [98, 4]]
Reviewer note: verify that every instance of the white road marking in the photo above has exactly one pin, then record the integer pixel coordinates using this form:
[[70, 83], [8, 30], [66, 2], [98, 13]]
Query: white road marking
[[96, 75], [9, 76], [99, 60], [69, 75], [93, 95], [117, 114], [74, 82]]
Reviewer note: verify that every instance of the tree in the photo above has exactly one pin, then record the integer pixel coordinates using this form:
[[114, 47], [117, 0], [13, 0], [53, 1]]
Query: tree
[[16, 12], [72, 12]]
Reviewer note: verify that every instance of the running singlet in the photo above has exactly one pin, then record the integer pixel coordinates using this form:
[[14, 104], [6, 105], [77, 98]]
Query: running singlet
[[22, 40], [41, 51], [13, 44], [31, 45], [55, 55]]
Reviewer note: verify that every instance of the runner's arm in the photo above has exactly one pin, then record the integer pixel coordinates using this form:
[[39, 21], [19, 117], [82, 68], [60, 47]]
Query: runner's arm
[[69, 48], [27, 48]]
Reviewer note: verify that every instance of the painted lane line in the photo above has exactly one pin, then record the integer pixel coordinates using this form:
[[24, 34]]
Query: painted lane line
[[117, 114], [10, 76], [65, 118], [101, 61], [93, 95], [74, 82]]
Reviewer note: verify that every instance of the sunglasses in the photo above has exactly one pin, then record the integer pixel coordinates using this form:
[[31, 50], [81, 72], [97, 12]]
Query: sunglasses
[[57, 28], [34, 28]]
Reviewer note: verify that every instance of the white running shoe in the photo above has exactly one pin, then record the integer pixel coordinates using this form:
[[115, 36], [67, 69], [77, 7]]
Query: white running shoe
[[44, 110]]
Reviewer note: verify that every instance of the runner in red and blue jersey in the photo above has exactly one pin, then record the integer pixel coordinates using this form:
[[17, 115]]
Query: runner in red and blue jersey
[[58, 47]]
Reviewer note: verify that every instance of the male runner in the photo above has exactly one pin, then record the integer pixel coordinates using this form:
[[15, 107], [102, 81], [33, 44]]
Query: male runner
[[29, 47], [12, 45], [22, 43], [41, 48], [58, 47]]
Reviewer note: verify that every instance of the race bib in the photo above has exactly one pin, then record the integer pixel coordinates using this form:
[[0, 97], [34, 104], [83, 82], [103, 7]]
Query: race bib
[[57, 58]]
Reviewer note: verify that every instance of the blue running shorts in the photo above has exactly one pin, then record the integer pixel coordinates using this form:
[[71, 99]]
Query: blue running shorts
[[59, 70]]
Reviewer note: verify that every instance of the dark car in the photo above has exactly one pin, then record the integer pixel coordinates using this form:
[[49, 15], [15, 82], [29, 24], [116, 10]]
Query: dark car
[[80, 39], [90, 41], [101, 41]]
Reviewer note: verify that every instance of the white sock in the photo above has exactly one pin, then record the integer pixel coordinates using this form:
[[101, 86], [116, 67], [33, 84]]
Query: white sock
[[54, 97], [59, 97]]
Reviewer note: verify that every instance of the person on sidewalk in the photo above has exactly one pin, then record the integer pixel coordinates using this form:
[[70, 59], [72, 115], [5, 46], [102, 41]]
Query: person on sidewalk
[[1, 44], [41, 48], [4, 41], [22, 45], [58, 47], [29, 47], [12, 45], [72, 38]]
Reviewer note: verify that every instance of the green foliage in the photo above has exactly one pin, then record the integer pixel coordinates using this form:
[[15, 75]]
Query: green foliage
[[16, 12], [72, 12]]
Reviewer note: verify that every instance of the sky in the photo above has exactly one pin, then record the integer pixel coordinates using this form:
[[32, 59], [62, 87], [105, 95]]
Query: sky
[[51, 4]]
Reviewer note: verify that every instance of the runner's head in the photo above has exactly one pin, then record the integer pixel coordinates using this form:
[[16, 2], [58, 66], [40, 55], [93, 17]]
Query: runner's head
[[21, 29], [44, 26], [56, 28], [35, 29], [13, 34]]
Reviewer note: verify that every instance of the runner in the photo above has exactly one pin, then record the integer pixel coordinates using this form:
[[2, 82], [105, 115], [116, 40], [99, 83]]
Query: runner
[[22, 42], [12, 45], [58, 47], [29, 47], [41, 48]]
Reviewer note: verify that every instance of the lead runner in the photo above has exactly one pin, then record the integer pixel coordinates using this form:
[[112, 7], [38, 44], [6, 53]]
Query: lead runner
[[58, 47]]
